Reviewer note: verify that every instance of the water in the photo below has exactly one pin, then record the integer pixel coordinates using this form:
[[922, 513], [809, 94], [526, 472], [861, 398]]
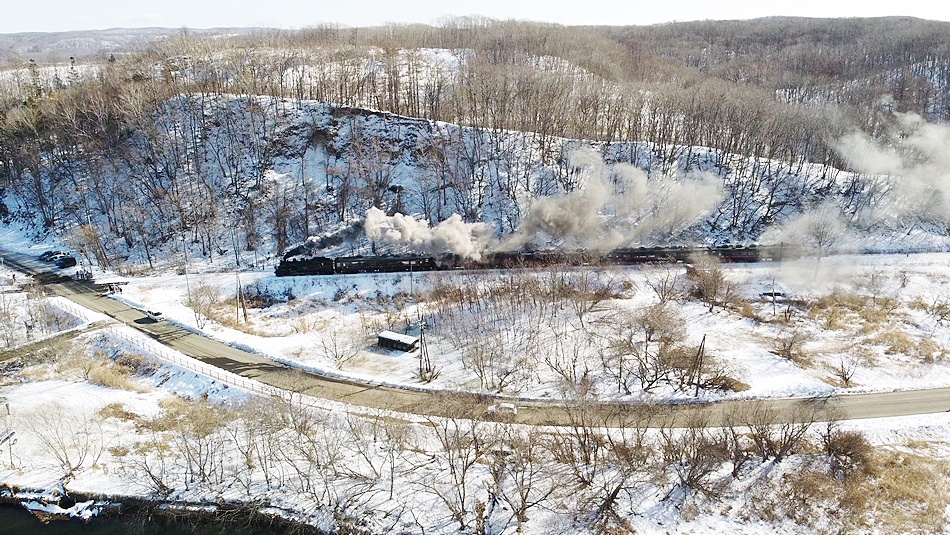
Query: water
[[15, 520]]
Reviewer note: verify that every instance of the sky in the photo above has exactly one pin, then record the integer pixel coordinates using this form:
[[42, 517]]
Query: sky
[[64, 15]]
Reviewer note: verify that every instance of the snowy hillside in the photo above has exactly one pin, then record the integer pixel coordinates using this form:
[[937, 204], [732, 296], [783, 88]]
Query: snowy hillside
[[243, 178]]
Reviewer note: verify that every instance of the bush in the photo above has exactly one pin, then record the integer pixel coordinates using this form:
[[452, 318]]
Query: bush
[[135, 363], [113, 377], [848, 451], [790, 344], [117, 411]]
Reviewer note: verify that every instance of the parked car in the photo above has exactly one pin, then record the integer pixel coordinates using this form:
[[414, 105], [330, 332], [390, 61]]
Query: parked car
[[155, 315], [501, 411], [66, 261], [48, 255]]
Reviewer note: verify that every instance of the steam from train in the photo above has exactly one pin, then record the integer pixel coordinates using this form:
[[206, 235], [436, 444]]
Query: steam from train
[[616, 206], [467, 240], [612, 206]]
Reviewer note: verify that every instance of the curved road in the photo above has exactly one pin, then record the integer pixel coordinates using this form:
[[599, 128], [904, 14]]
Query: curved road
[[435, 403]]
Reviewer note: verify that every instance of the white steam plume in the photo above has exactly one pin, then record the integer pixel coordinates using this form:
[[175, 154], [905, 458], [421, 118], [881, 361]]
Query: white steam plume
[[468, 240], [820, 230], [572, 219], [913, 168], [617, 205]]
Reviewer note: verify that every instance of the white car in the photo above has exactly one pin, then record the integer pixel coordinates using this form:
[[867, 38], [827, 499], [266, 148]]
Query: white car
[[502, 411], [155, 315]]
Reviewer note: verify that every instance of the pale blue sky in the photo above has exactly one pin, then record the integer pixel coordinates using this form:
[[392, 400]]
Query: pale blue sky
[[60, 15]]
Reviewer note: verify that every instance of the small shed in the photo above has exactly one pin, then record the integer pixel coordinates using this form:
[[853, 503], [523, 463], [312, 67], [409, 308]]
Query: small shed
[[399, 342]]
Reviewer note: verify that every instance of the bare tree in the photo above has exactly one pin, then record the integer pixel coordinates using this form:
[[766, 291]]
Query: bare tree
[[602, 455], [341, 341], [74, 441], [710, 284], [665, 285], [522, 473], [692, 455], [197, 431], [202, 299], [776, 434], [821, 229], [845, 368], [460, 444], [151, 457], [644, 346]]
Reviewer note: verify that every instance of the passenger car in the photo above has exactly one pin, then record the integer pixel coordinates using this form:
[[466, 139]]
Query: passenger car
[[66, 261]]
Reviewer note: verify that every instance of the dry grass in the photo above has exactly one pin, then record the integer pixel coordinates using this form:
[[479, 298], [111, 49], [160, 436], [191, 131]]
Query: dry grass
[[908, 493], [731, 384], [117, 411], [112, 376], [812, 497], [224, 315], [893, 492], [841, 310], [101, 370], [746, 310], [199, 417], [897, 342], [845, 485]]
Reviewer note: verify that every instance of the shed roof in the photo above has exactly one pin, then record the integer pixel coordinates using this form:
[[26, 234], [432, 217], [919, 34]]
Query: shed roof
[[402, 338]]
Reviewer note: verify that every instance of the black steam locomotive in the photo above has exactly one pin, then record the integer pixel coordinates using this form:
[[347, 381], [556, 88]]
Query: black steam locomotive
[[294, 264]]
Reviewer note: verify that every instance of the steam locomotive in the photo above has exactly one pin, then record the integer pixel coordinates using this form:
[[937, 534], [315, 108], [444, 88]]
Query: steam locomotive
[[294, 264]]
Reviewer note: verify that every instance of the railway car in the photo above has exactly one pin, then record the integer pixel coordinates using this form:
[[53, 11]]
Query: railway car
[[294, 265], [307, 266], [385, 264]]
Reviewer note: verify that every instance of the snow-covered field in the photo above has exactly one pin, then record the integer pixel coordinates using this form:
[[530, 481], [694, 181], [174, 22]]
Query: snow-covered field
[[882, 319], [109, 416], [903, 347], [110, 435]]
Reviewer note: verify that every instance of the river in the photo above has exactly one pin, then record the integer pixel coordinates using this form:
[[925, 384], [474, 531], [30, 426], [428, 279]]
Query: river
[[15, 520]]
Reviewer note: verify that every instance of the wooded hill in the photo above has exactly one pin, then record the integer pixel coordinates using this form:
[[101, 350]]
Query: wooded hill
[[204, 134]]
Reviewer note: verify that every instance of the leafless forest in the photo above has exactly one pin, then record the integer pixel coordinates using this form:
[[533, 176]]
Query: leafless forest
[[127, 151]]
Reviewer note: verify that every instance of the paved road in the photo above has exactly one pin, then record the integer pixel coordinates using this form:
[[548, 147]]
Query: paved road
[[372, 395]]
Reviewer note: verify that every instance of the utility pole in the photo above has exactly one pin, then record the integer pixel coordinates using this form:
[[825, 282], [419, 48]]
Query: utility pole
[[426, 373], [184, 251], [699, 364]]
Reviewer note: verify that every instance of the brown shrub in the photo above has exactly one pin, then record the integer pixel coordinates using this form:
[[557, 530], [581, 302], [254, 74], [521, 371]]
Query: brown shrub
[[909, 493], [790, 344], [117, 411], [135, 363], [114, 377], [848, 451]]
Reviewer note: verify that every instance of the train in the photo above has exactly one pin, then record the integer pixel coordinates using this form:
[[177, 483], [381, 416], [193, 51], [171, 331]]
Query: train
[[294, 264]]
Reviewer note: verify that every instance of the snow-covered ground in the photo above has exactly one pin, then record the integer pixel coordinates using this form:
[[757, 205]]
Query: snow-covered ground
[[75, 434], [325, 309], [115, 434], [877, 316]]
